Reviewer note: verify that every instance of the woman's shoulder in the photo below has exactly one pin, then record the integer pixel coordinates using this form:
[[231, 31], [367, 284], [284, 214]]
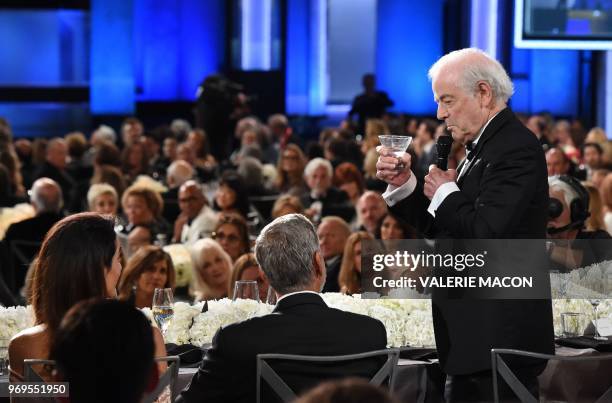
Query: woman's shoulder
[[28, 339]]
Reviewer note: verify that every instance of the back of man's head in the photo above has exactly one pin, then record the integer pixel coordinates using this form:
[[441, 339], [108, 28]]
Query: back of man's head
[[46, 196], [179, 172], [285, 250], [104, 349]]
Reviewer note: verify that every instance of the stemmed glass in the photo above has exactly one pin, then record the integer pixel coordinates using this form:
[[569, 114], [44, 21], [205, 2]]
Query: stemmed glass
[[595, 304], [163, 310], [246, 289], [397, 144], [271, 299]]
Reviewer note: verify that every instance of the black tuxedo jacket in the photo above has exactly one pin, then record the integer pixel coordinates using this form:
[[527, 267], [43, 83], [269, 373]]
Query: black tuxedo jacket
[[300, 324], [503, 195]]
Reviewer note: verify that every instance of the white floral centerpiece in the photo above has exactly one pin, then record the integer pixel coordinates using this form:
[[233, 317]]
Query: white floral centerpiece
[[13, 320]]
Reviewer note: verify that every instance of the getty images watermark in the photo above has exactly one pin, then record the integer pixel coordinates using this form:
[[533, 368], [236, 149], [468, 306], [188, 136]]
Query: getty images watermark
[[480, 269]]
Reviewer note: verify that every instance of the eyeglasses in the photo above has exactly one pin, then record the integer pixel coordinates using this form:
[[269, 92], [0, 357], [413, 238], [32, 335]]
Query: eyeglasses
[[220, 236]]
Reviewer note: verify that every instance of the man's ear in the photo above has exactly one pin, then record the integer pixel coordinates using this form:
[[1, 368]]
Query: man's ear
[[319, 265], [485, 92]]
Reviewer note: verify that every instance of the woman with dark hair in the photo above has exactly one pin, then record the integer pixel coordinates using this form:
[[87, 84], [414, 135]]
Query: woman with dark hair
[[232, 233], [349, 277], [147, 269], [119, 338], [393, 227], [80, 258], [232, 195]]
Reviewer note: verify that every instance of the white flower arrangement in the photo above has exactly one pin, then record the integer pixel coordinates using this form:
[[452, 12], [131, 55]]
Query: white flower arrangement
[[408, 321], [181, 260], [13, 320]]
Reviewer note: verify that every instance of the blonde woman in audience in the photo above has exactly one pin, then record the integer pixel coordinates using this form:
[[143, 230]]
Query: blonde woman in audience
[[246, 268], [287, 204], [599, 136], [595, 221], [349, 277], [102, 198], [373, 129], [147, 269], [213, 268]]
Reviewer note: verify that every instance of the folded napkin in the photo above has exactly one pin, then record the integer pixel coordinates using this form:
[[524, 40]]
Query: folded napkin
[[190, 355], [604, 346]]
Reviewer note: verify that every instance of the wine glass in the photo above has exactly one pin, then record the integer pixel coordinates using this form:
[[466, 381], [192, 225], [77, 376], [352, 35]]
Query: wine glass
[[271, 299], [246, 289], [595, 304], [163, 311], [397, 144]]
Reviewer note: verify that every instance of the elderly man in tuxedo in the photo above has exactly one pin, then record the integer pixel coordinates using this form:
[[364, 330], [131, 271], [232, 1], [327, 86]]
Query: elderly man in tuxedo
[[287, 250], [499, 191]]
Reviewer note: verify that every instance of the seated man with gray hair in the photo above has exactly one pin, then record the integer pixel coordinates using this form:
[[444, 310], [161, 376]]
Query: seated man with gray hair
[[287, 250], [23, 238], [323, 198]]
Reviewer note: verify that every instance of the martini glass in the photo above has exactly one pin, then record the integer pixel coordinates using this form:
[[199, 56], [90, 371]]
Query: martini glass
[[397, 144]]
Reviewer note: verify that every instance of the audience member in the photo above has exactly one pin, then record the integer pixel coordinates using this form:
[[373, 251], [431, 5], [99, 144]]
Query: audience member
[[606, 198], [232, 195], [143, 206], [147, 269], [371, 208], [134, 161], [246, 268], [26, 235], [333, 233], [557, 162], [232, 233], [196, 220], [54, 168], [102, 198], [287, 204], [392, 227], [290, 171], [348, 178], [131, 131], [288, 253], [595, 221], [324, 199], [372, 103], [105, 350], [178, 173], [80, 259], [213, 268], [349, 277]]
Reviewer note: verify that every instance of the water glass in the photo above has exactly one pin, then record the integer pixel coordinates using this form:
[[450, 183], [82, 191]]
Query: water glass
[[162, 307], [271, 299], [397, 144], [572, 324], [246, 289]]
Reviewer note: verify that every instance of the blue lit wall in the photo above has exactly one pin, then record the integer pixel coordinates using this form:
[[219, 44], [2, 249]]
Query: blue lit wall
[[545, 80], [176, 44], [112, 57], [44, 48], [409, 41]]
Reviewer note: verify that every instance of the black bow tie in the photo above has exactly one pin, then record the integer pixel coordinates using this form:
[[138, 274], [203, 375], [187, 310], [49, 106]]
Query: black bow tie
[[469, 147]]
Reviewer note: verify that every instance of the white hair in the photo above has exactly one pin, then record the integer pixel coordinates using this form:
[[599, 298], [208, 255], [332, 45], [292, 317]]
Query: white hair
[[179, 172], [481, 67], [99, 189], [315, 163], [569, 194], [202, 290], [105, 133]]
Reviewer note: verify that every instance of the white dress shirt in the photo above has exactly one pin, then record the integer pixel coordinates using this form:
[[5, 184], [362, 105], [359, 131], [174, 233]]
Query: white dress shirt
[[395, 194]]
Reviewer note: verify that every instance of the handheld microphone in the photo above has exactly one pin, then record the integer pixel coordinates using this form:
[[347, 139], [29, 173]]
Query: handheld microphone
[[443, 147]]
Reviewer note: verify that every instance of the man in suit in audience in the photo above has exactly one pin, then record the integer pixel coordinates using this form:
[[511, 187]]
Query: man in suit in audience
[[287, 250], [55, 168], [501, 192], [333, 233], [197, 220], [371, 208], [323, 198], [178, 172], [46, 198]]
